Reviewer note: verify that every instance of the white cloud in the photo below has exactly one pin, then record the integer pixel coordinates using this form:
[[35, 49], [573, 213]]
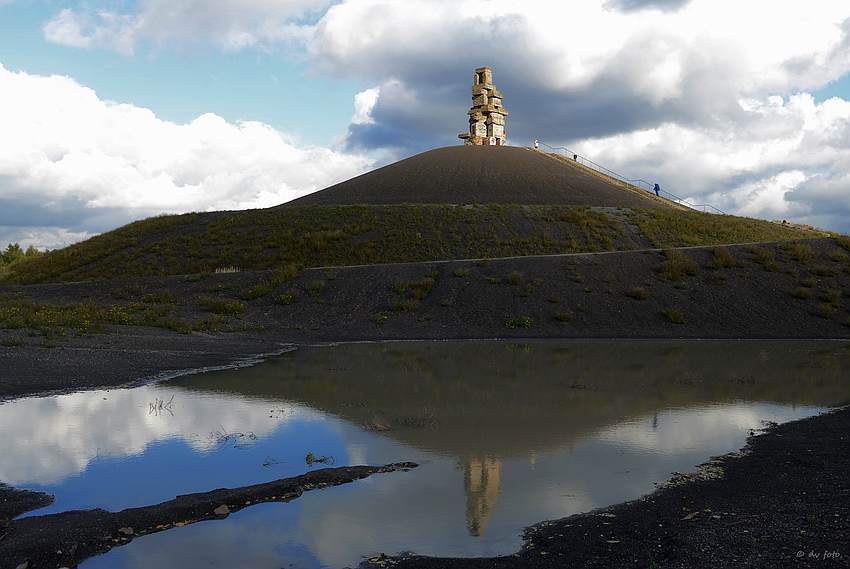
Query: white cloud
[[364, 102], [189, 24], [706, 78], [676, 90], [65, 151], [784, 158]]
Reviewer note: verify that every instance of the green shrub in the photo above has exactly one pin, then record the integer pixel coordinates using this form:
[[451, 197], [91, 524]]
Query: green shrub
[[463, 273], [638, 293], [810, 282], [519, 322], [564, 316]]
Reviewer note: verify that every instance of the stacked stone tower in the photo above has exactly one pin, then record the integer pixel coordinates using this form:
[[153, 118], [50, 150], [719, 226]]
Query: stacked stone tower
[[487, 115]]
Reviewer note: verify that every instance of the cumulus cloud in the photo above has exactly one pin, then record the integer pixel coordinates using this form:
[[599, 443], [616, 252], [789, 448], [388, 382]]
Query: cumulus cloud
[[675, 90], [71, 163], [700, 76], [188, 24], [791, 161]]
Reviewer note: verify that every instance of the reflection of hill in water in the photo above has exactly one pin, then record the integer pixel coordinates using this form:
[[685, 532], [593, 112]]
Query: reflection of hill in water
[[482, 402], [500, 399]]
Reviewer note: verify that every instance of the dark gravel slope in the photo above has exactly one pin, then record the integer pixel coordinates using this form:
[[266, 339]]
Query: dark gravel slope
[[484, 175]]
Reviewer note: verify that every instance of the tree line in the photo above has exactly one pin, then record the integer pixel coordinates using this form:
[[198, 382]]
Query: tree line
[[14, 254]]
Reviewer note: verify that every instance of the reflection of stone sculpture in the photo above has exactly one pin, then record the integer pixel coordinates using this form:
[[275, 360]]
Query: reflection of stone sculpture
[[481, 486], [487, 115]]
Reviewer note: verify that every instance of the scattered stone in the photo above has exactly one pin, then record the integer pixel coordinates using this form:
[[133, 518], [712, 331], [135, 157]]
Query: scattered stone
[[222, 510]]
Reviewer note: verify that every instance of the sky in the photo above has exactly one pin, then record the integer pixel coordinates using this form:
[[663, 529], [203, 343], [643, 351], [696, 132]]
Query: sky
[[118, 110]]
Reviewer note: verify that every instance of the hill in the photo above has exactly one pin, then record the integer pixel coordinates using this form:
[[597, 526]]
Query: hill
[[485, 175]]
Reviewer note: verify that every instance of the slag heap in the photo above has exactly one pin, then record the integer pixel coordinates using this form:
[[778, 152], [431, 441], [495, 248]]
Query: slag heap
[[487, 115]]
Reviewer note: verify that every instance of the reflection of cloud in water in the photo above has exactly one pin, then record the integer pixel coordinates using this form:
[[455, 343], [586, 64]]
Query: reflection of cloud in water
[[48, 439], [426, 510], [681, 430]]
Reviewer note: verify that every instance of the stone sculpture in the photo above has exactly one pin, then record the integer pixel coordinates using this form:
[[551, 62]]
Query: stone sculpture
[[487, 115]]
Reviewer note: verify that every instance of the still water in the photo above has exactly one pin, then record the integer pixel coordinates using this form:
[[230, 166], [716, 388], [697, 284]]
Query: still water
[[506, 435]]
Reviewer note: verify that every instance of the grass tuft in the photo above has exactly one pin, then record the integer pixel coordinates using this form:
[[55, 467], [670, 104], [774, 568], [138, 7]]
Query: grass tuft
[[564, 316], [288, 297], [802, 293], [407, 305], [279, 277], [638, 293], [801, 253], [827, 310], [675, 316], [723, 259], [515, 278], [519, 322], [315, 287], [221, 306], [676, 265]]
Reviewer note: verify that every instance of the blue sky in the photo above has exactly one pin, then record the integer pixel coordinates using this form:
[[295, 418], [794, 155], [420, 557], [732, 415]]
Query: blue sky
[[116, 110]]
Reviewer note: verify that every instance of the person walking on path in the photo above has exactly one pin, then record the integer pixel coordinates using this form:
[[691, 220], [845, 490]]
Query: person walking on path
[[657, 189]]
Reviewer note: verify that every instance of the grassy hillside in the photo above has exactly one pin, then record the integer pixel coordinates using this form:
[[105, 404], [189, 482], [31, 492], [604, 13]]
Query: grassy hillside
[[312, 236]]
